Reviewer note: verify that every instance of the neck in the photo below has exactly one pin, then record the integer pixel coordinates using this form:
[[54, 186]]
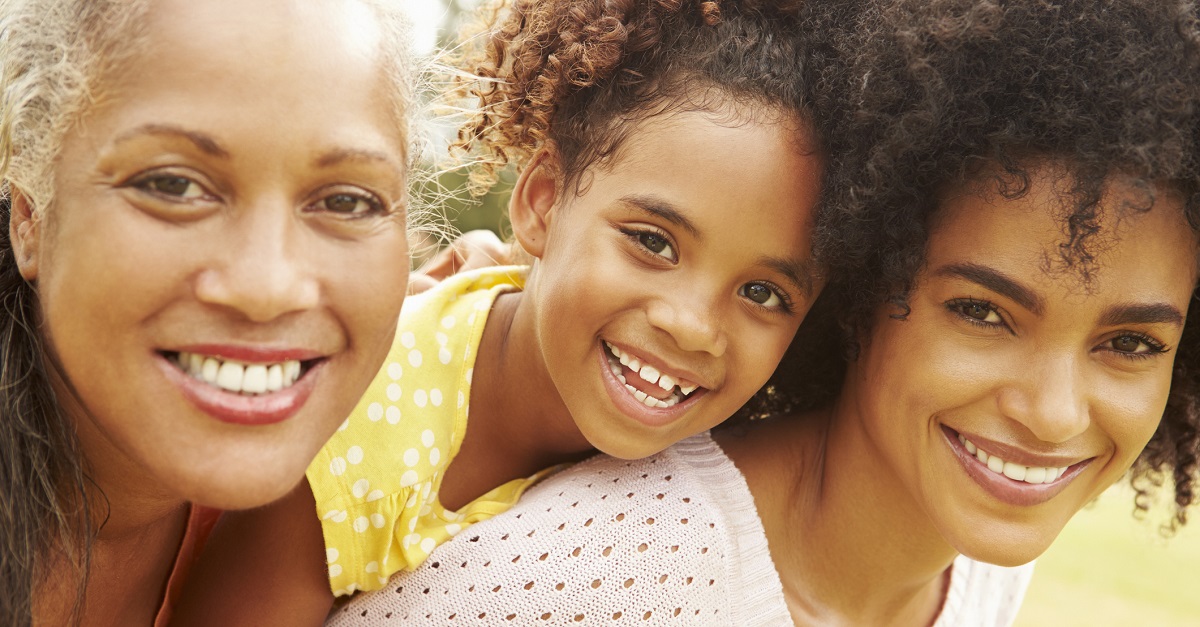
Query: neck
[[518, 423], [850, 544], [125, 499], [137, 529]]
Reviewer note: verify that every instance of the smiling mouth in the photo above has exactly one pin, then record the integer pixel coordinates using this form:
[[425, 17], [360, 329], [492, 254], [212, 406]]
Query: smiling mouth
[[1016, 472], [239, 377], [645, 383]]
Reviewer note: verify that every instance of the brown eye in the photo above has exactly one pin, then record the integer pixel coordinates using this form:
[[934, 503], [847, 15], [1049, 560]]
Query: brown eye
[[1126, 344], [653, 242], [762, 295], [976, 311], [345, 203], [172, 186], [758, 293]]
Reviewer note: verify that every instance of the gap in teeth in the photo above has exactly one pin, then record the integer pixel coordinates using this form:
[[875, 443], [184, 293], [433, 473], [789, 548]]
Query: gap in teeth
[[617, 358], [242, 378], [1016, 472]]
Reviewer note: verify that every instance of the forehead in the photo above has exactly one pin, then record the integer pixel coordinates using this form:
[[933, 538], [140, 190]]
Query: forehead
[[249, 60], [757, 172], [1132, 248]]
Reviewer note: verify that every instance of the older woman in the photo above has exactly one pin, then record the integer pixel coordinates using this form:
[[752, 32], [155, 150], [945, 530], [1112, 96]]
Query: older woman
[[186, 182], [1016, 194]]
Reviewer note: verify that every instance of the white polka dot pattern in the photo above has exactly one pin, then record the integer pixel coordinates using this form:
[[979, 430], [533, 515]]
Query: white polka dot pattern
[[670, 540], [376, 481]]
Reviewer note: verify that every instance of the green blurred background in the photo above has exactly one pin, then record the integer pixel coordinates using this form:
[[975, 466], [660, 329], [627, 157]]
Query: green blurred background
[[1107, 568]]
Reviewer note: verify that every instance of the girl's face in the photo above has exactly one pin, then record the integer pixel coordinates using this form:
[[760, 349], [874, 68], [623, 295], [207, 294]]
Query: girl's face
[[670, 288], [1013, 394], [222, 269]]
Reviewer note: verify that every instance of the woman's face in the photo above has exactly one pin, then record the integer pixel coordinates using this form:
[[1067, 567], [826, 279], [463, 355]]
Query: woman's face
[[223, 266], [1014, 393]]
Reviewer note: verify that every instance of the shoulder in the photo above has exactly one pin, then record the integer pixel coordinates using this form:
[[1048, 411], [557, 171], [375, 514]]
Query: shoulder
[[658, 538]]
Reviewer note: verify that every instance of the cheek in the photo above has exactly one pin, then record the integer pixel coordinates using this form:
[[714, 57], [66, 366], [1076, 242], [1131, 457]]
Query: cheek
[[1129, 412], [366, 283], [100, 276]]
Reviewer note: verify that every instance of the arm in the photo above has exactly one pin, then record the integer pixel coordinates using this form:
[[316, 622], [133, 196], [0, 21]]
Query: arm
[[473, 249], [261, 567]]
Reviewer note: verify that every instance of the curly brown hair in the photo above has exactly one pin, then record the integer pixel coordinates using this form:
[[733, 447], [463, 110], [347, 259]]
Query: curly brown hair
[[579, 76], [941, 93]]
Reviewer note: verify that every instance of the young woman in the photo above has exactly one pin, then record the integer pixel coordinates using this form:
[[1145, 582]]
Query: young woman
[[1017, 278], [160, 204]]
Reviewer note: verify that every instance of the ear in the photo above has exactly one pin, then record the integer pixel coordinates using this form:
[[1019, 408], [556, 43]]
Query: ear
[[25, 233], [531, 206]]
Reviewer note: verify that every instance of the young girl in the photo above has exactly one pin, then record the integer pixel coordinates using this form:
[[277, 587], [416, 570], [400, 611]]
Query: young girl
[[157, 205], [1023, 254], [668, 188]]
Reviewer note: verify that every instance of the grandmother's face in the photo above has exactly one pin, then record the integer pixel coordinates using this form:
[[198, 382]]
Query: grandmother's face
[[223, 266], [1014, 394]]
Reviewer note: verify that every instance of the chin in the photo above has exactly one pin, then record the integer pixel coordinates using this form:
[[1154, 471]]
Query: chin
[[242, 488], [1007, 551]]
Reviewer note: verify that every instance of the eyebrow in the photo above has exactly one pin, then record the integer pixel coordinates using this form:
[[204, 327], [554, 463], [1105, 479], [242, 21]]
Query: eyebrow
[[1139, 313], [799, 273], [204, 143], [356, 155], [995, 281], [655, 206]]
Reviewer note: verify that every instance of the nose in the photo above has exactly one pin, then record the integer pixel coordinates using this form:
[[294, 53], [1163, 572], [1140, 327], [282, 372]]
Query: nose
[[691, 318], [1049, 397], [257, 267]]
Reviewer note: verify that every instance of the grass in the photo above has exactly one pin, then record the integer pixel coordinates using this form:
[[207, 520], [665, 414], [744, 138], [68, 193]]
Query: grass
[[1108, 568]]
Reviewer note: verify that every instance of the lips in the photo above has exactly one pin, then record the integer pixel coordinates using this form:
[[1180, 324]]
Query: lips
[[622, 384], [1012, 482], [243, 393], [1013, 470], [645, 382], [234, 376]]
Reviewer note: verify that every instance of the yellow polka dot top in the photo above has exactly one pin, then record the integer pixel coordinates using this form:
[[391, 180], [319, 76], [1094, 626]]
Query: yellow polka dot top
[[376, 481]]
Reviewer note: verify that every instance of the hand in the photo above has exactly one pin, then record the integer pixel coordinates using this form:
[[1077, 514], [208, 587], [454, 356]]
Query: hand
[[473, 249]]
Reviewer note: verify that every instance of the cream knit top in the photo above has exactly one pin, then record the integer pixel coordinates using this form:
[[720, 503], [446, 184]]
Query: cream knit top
[[673, 539]]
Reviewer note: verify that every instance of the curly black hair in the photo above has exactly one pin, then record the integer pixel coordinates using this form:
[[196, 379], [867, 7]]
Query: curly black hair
[[939, 94], [580, 75]]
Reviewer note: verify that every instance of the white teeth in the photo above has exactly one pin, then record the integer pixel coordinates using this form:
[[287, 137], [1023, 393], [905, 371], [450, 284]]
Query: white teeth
[[230, 376], [291, 372], [1014, 471], [275, 378], [195, 363], [650, 374], [238, 377], [208, 370], [666, 382], [255, 379], [640, 395]]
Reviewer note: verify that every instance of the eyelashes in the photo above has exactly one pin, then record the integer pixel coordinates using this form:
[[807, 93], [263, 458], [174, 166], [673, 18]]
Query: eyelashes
[[175, 188], [761, 294], [1127, 344]]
